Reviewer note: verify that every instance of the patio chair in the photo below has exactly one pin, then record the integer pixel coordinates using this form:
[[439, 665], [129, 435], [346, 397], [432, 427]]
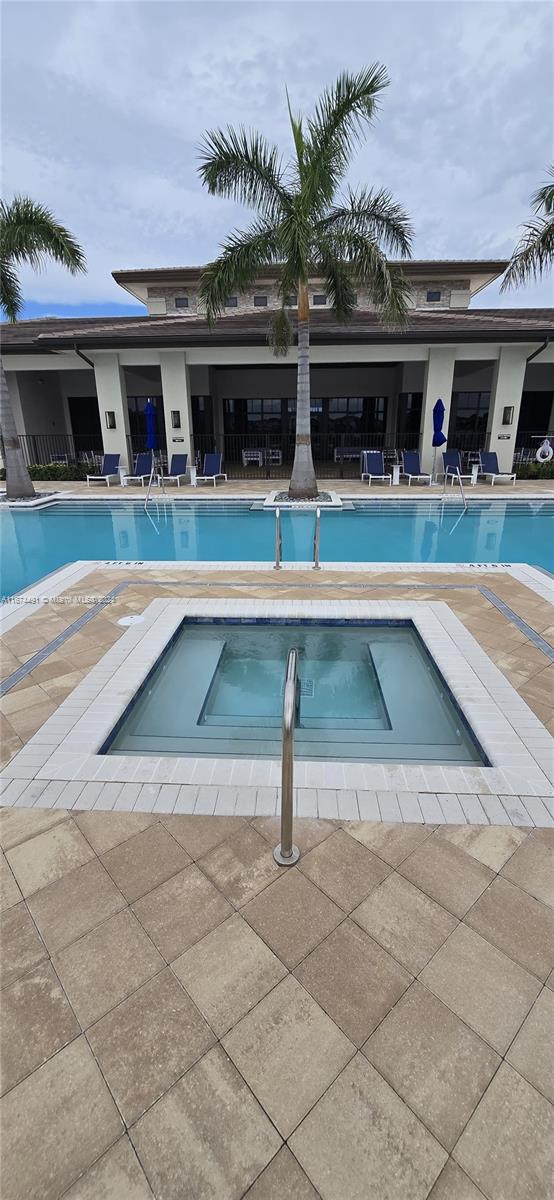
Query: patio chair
[[177, 470], [452, 463], [108, 471], [142, 471], [411, 467], [488, 466], [373, 467], [211, 471]]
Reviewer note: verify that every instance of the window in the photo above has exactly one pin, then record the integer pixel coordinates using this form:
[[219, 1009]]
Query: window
[[433, 296], [181, 302], [231, 302], [292, 300], [260, 301], [319, 299]]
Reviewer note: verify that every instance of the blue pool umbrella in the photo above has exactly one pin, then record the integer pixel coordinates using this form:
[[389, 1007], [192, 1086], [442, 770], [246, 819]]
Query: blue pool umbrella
[[151, 434], [438, 436]]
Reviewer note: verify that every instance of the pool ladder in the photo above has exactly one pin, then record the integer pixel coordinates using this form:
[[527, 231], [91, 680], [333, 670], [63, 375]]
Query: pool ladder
[[455, 475], [150, 482], [286, 853], [279, 540]]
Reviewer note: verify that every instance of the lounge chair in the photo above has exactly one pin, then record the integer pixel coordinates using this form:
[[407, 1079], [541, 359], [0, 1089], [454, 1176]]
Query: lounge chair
[[373, 466], [108, 471], [488, 466], [452, 464], [411, 467], [177, 470], [212, 469], [142, 471]]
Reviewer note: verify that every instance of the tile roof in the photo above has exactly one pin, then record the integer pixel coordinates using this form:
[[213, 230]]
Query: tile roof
[[484, 324]]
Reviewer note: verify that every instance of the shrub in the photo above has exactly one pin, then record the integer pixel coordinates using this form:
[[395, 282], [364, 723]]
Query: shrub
[[535, 470], [59, 471]]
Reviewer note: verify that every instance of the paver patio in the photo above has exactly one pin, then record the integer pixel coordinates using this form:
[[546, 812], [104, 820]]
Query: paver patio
[[183, 1020]]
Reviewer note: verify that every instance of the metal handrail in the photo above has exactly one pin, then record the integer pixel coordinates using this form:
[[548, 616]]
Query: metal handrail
[[153, 471], [317, 538], [286, 853], [278, 540], [450, 474]]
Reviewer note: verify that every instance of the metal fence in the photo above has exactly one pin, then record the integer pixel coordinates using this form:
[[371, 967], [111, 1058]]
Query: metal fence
[[43, 449], [270, 456]]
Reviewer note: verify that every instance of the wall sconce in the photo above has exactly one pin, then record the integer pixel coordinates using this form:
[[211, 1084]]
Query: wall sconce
[[508, 415], [110, 420], [175, 419]]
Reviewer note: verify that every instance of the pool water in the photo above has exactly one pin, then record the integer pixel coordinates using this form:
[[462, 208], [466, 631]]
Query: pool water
[[368, 690], [34, 543]]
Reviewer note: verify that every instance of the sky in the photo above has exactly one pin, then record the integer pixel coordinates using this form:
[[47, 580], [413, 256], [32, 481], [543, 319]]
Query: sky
[[104, 105]]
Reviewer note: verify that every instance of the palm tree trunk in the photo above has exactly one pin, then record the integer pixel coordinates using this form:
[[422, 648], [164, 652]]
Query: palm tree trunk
[[303, 483], [18, 481]]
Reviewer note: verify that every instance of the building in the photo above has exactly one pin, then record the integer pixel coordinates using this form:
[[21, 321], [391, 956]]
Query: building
[[80, 386]]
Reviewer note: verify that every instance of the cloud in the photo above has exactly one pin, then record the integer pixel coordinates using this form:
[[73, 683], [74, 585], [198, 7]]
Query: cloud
[[105, 103]]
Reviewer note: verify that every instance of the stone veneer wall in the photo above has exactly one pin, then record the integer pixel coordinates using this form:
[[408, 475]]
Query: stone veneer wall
[[454, 294]]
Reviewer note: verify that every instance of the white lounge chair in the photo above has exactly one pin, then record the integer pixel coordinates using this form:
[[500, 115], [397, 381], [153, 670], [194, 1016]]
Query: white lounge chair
[[488, 466], [177, 470], [142, 471], [411, 467], [108, 471], [373, 467], [211, 471]]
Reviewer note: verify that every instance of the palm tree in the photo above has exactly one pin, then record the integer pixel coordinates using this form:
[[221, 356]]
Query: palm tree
[[304, 231], [534, 252], [29, 234]]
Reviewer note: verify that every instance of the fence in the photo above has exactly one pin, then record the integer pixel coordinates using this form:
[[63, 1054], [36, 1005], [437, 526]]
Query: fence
[[41, 449], [270, 456]]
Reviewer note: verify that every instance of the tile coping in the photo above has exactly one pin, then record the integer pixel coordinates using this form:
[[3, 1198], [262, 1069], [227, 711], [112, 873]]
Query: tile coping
[[513, 738]]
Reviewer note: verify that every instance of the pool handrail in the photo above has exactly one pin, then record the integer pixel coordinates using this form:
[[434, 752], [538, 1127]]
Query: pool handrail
[[317, 538], [278, 540], [286, 853]]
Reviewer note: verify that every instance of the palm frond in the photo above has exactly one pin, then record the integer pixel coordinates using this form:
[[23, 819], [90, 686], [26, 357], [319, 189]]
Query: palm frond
[[388, 287], [338, 125], [543, 199], [243, 257], [375, 215], [338, 278], [29, 233], [280, 331], [297, 137], [241, 165], [11, 297], [533, 255]]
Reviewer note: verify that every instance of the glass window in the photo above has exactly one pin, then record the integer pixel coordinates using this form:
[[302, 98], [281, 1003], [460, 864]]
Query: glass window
[[432, 296], [181, 302], [319, 299], [260, 301], [292, 300], [231, 302], [470, 412]]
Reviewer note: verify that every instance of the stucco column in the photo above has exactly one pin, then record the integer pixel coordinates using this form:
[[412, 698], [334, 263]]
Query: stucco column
[[506, 392], [439, 376], [112, 397], [176, 399]]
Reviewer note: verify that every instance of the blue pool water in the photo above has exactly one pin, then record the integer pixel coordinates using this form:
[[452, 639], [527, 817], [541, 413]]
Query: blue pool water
[[33, 543], [218, 690]]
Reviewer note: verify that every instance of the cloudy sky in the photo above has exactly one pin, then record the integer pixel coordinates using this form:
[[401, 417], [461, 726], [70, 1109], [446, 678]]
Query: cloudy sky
[[104, 104]]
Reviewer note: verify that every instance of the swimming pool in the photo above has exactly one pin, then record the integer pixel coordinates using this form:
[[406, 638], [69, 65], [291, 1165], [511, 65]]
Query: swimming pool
[[36, 542]]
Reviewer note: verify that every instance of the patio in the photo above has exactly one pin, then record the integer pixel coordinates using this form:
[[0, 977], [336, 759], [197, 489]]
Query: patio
[[181, 1017]]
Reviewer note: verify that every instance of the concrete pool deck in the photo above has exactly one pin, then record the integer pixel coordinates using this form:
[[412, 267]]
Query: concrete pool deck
[[183, 1018]]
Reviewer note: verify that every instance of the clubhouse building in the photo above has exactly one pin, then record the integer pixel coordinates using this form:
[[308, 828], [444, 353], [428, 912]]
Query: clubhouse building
[[79, 387]]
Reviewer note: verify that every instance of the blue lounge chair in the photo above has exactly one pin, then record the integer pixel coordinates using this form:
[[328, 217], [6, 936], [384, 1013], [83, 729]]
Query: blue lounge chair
[[108, 471], [212, 469], [411, 467], [488, 466], [373, 466], [177, 470], [143, 469], [452, 464]]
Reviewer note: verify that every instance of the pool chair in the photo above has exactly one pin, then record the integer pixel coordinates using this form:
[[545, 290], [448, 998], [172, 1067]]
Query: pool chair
[[411, 467], [142, 471], [177, 470], [488, 466], [452, 464], [373, 467], [109, 470], [212, 469]]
